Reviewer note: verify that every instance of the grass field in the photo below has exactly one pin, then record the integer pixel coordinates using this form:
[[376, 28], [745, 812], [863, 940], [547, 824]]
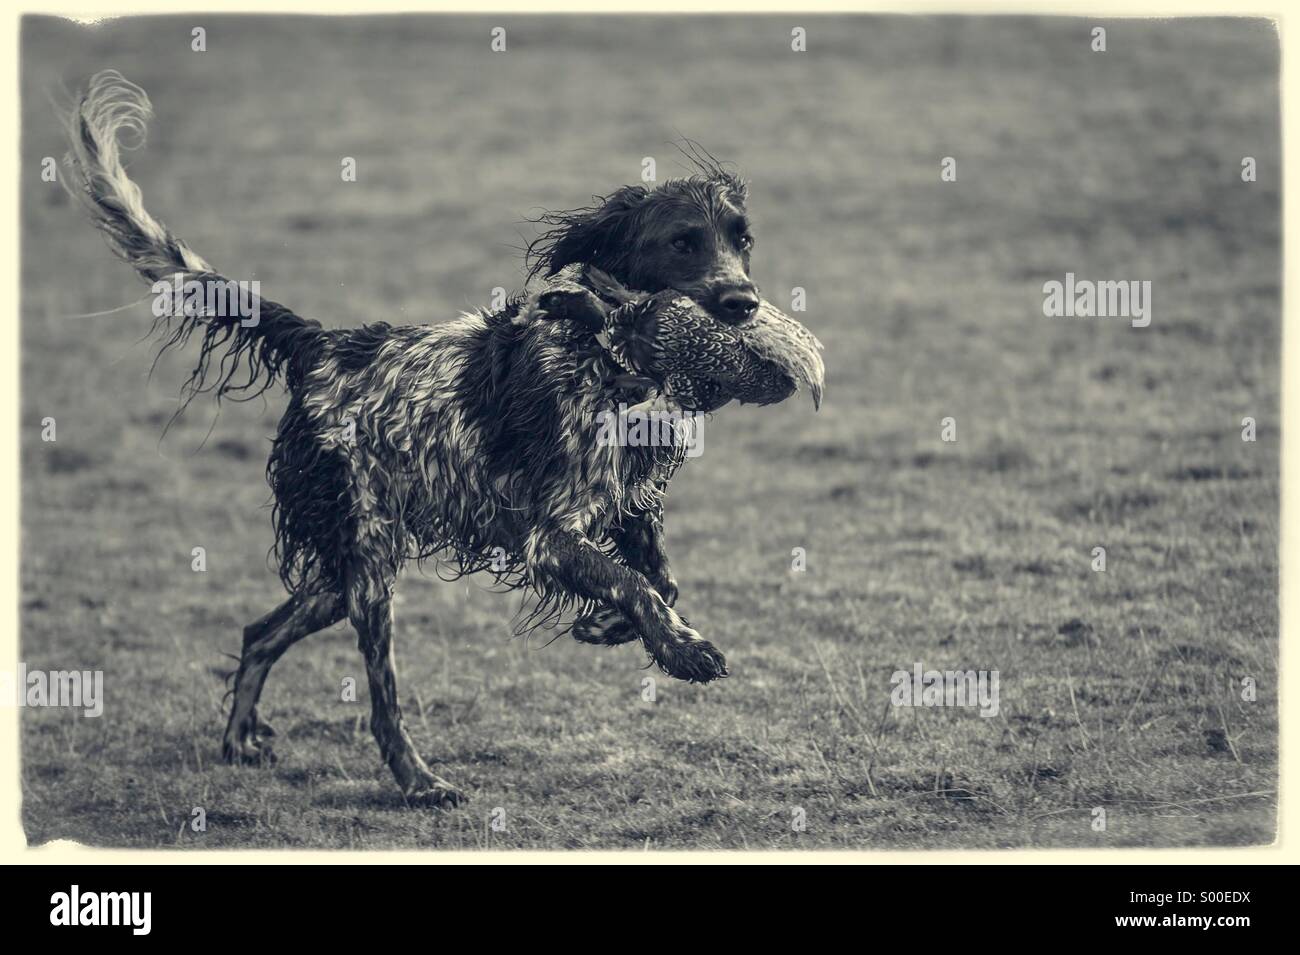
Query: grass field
[[1119, 690]]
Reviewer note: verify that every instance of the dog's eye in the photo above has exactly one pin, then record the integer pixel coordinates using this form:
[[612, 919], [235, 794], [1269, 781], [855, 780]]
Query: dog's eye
[[746, 242], [683, 244]]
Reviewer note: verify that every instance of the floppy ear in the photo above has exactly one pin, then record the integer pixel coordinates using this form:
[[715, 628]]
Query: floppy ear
[[599, 236]]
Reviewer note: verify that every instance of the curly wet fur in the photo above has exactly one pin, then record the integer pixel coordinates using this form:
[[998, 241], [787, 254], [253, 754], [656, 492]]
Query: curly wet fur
[[457, 442]]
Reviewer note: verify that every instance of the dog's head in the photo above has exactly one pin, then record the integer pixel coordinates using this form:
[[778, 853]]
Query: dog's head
[[691, 234]]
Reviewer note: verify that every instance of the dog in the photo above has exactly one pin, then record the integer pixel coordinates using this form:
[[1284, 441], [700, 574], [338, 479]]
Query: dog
[[473, 442]]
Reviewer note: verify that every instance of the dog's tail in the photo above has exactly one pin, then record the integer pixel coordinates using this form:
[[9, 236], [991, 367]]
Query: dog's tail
[[254, 345]]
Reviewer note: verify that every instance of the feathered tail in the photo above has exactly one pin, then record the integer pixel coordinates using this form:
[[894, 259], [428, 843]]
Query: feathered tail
[[251, 353]]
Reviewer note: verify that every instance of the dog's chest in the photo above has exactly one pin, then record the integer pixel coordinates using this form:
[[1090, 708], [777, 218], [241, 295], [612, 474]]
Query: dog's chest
[[613, 465]]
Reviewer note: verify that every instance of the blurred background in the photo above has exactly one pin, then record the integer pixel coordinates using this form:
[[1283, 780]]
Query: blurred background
[[1120, 690]]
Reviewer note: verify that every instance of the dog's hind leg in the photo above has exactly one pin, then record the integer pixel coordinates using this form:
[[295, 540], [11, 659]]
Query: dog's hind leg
[[370, 609], [265, 641]]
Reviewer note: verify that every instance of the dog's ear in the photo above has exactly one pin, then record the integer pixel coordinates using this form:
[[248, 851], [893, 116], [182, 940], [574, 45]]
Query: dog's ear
[[599, 235]]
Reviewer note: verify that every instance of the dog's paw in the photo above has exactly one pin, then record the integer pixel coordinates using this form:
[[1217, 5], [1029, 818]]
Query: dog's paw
[[261, 728], [249, 751], [604, 626], [431, 792], [684, 654]]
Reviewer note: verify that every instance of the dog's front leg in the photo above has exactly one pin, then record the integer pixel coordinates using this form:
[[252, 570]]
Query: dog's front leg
[[640, 541], [576, 564]]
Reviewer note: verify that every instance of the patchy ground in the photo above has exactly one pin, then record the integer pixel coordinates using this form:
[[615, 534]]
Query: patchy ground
[[1120, 690]]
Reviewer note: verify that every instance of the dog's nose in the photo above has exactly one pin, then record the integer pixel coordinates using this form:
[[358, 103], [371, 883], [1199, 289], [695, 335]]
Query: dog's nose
[[737, 305]]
